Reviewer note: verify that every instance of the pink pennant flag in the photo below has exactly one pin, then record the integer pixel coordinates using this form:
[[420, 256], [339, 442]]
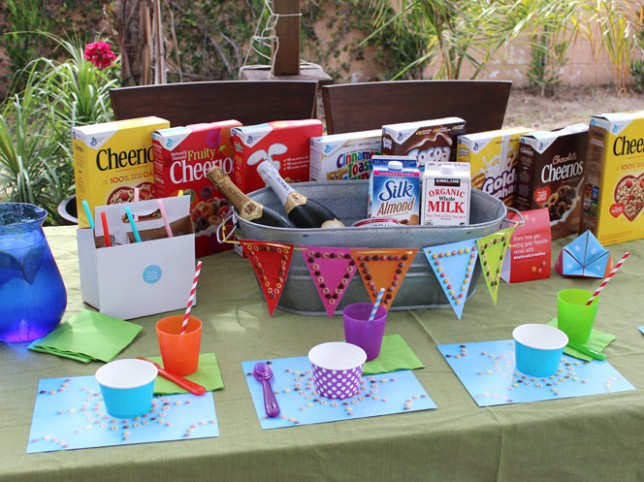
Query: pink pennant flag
[[271, 263], [331, 270]]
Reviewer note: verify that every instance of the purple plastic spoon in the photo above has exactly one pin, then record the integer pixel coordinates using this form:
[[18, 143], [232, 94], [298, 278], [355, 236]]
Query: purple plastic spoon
[[263, 373]]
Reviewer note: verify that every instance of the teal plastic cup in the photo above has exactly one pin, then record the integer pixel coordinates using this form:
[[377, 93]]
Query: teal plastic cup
[[538, 349], [127, 387], [574, 318]]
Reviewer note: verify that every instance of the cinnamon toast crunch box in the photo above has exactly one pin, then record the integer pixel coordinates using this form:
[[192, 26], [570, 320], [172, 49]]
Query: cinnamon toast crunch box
[[613, 195], [182, 158], [286, 143], [111, 159], [344, 156]]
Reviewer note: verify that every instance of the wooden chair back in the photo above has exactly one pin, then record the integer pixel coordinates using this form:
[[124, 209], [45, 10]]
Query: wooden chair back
[[248, 101], [370, 105]]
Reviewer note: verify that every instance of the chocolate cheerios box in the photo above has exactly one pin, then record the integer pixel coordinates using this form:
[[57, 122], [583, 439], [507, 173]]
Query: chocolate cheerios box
[[550, 174], [613, 194]]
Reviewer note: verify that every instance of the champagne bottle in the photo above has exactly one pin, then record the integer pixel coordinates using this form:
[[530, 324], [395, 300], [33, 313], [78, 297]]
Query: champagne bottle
[[303, 212], [246, 208]]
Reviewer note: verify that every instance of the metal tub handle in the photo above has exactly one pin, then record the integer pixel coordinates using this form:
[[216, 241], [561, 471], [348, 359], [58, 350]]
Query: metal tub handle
[[224, 236], [514, 222]]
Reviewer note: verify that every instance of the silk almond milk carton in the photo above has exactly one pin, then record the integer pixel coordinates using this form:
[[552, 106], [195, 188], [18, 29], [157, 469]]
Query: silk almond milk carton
[[427, 141], [111, 159], [445, 194], [613, 195], [394, 189], [493, 157], [182, 158]]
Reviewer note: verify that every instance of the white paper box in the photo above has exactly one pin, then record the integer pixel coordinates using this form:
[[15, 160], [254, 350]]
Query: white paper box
[[138, 279]]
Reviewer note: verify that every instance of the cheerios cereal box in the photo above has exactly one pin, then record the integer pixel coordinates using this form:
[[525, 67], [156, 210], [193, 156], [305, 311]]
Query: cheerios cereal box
[[493, 157], [286, 143], [613, 195], [111, 159], [182, 158], [344, 156]]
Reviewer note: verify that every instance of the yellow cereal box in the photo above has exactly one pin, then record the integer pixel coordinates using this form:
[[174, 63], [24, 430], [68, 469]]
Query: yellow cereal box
[[111, 159], [614, 185], [493, 158]]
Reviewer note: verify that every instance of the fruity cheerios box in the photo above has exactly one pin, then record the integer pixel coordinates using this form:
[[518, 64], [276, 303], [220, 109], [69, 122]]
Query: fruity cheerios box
[[613, 195], [111, 160], [286, 143], [182, 158]]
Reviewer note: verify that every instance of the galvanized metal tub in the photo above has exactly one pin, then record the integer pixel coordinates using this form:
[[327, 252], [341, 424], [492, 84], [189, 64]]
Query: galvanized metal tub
[[348, 200]]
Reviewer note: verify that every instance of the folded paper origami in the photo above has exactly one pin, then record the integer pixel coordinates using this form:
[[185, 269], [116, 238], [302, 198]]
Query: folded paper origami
[[584, 257]]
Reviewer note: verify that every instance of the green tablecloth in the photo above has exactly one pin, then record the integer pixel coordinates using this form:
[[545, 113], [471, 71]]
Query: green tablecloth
[[577, 439]]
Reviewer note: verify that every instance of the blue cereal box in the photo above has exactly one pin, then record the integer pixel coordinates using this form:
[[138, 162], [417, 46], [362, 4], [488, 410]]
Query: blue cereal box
[[394, 189]]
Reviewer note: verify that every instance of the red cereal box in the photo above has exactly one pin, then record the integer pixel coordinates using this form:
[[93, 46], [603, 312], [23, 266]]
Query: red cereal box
[[283, 142], [182, 158]]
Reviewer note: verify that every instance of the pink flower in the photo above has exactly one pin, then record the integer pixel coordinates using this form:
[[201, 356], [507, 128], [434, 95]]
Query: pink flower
[[100, 54]]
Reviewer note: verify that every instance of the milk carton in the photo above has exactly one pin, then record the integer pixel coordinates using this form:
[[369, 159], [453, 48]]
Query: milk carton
[[344, 156], [285, 143], [394, 188], [446, 194], [182, 158], [493, 157], [111, 159]]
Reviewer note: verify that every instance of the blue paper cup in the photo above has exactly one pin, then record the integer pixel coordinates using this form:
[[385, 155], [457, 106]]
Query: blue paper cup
[[127, 387], [538, 349]]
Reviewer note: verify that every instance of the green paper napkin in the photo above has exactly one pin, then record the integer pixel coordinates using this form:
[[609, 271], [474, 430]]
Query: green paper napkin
[[87, 337], [395, 355], [598, 341], [207, 374]]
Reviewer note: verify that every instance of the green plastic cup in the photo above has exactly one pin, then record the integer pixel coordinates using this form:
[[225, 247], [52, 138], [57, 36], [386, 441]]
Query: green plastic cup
[[574, 318]]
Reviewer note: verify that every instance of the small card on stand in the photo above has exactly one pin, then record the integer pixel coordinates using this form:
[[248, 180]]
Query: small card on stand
[[529, 254]]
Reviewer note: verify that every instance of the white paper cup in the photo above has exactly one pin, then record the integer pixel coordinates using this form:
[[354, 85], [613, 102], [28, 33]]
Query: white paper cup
[[337, 369]]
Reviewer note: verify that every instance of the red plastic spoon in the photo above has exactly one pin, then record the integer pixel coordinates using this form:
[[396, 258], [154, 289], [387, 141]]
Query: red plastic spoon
[[189, 385]]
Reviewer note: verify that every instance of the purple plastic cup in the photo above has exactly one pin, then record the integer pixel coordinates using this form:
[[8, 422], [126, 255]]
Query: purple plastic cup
[[337, 369], [362, 332]]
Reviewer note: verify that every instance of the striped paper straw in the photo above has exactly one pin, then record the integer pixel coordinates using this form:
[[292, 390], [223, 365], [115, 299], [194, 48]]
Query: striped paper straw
[[607, 279], [374, 310], [191, 298]]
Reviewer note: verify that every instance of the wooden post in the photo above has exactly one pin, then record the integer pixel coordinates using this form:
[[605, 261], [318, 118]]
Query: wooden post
[[287, 56]]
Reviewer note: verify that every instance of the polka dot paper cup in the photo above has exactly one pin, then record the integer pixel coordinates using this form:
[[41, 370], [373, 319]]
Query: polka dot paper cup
[[337, 369]]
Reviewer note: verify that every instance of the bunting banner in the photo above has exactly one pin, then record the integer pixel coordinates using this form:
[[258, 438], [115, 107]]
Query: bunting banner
[[492, 249], [453, 264], [332, 270], [271, 263], [383, 268]]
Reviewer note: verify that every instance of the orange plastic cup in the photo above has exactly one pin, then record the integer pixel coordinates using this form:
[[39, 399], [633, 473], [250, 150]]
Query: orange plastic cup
[[180, 352]]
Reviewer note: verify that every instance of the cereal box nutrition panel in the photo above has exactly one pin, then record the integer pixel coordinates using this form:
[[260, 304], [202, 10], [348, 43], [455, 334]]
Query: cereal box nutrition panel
[[550, 175], [182, 158], [614, 187], [344, 156], [111, 160]]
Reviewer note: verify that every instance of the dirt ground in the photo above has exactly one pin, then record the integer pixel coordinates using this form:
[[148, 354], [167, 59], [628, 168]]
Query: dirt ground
[[568, 106]]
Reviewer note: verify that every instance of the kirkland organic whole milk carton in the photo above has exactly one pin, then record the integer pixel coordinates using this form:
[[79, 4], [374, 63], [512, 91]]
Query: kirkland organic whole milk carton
[[394, 189], [445, 194], [613, 195], [182, 158], [111, 159]]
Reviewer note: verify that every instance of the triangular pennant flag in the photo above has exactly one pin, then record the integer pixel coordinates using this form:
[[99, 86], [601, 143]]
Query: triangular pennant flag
[[331, 270], [383, 268], [492, 251], [271, 262], [453, 265]]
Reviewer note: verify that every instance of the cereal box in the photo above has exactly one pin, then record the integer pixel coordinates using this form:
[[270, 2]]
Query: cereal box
[[344, 156], [445, 194], [493, 157], [286, 143], [182, 158], [394, 189], [614, 187], [111, 159], [550, 175], [428, 141]]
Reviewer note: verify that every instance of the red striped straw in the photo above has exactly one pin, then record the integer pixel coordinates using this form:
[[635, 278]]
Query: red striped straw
[[607, 279], [191, 298]]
